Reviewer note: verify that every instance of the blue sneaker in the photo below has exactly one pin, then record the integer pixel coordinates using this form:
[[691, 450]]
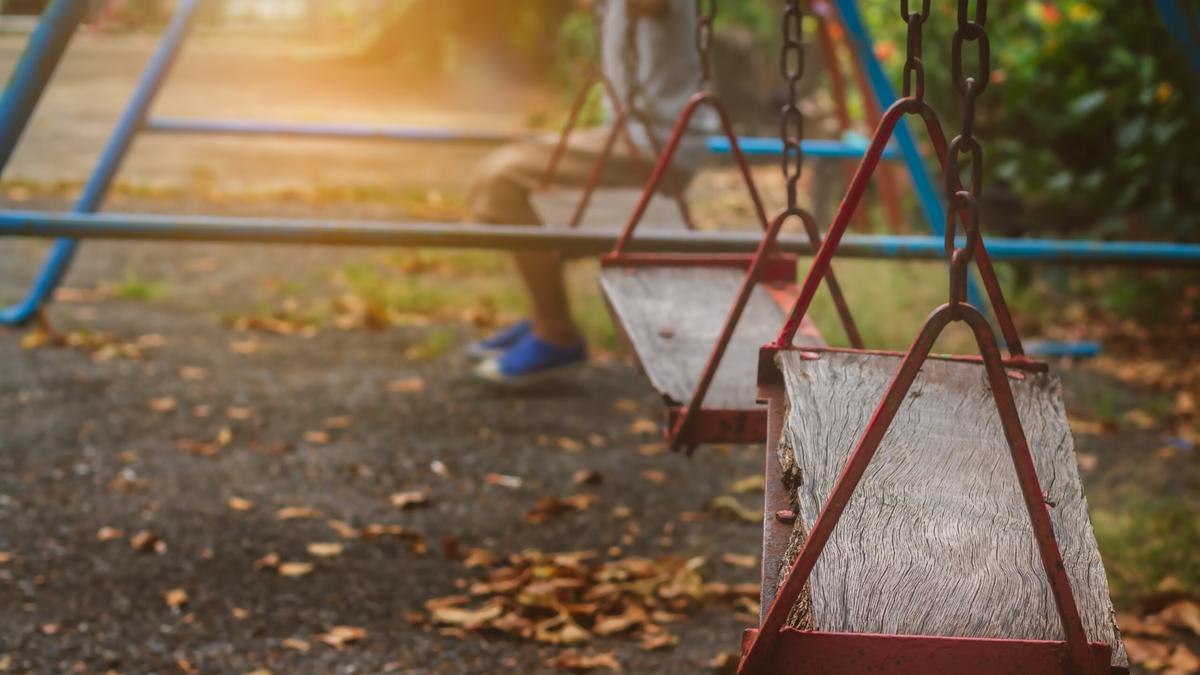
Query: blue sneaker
[[499, 342], [531, 359]]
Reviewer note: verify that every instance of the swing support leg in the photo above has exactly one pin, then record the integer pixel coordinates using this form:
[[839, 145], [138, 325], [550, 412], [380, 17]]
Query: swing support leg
[[98, 184]]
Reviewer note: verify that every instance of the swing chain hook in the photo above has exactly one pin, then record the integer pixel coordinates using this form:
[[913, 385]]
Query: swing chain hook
[[706, 14], [791, 132], [962, 203], [914, 67]]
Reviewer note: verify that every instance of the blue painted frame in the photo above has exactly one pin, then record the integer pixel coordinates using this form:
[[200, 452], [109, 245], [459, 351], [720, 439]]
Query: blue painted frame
[[98, 184]]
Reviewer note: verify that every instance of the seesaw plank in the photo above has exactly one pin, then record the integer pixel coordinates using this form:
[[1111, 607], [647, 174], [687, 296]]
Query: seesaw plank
[[936, 540]]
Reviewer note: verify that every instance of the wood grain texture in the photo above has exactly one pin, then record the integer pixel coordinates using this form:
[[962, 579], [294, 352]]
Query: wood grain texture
[[673, 315], [936, 540], [609, 209]]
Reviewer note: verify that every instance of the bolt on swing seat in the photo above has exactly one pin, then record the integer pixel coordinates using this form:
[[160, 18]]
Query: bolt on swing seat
[[898, 540]]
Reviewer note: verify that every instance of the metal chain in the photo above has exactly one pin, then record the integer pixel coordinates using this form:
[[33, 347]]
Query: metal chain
[[966, 198], [706, 13], [914, 67], [791, 126], [632, 63]]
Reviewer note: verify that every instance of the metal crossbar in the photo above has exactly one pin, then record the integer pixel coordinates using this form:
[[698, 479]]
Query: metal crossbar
[[577, 243], [61, 18]]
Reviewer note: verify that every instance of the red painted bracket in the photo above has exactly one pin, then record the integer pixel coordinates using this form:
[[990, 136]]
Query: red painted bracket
[[714, 425], [820, 653]]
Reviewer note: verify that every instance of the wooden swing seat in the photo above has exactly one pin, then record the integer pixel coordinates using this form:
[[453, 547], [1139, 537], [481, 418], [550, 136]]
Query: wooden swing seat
[[936, 540], [607, 210], [671, 311]]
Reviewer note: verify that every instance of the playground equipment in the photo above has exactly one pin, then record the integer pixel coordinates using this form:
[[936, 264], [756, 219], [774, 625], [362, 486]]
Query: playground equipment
[[932, 569], [663, 304], [59, 21]]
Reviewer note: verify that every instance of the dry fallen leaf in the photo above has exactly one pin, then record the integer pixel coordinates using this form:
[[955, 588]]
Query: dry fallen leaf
[[317, 437], [587, 477], [729, 505], [163, 404], [234, 412], [467, 619], [651, 449], [340, 636], [572, 659], [322, 549], [5, 557], [107, 534], [296, 644], [643, 425], [294, 570], [244, 347], [176, 598], [147, 542], [747, 561], [48, 629], [239, 613], [297, 513], [656, 476], [344, 530], [339, 422], [1183, 614], [1145, 652], [625, 405], [1140, 419], [1183, 660], [480, 557], [568, 444], [240, 504], [510, 482], [549, 507], [409, 499], [193, 373], [751, 483], [407, 385], [269, 561]]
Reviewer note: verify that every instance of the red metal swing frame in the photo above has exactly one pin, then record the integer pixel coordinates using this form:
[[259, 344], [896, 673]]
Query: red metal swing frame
[[775, 647], [691, 424], [619, 128]]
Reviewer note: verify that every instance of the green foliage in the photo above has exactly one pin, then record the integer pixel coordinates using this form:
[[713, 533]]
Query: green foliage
[[1092, 115], [134, 287], [1148, 540]]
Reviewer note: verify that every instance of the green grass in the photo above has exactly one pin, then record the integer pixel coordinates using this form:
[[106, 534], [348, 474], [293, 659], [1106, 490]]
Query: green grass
[[1149, 541], [133, 286]]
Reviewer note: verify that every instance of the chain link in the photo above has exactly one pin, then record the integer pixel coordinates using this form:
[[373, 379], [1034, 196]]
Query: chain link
[[706, 14], [966, 199], [914, 67], [791, 125]]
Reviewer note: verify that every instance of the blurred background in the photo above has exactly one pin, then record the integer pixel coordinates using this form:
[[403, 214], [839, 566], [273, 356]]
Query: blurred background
[[1091, 130]]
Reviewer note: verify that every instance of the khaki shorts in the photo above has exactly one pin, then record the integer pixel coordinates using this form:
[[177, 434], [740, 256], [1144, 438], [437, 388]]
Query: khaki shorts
[[500, 189]]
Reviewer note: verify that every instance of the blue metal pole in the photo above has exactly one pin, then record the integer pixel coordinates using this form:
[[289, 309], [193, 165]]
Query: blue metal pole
[[927, 194], [718, 145], [1183, 25], [41, 56], [185, 228], [98, 183]]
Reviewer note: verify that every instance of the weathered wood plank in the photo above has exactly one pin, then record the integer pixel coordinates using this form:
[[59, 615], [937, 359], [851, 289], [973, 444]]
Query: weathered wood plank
[[936, 540], [673, 315], [609, 209]]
